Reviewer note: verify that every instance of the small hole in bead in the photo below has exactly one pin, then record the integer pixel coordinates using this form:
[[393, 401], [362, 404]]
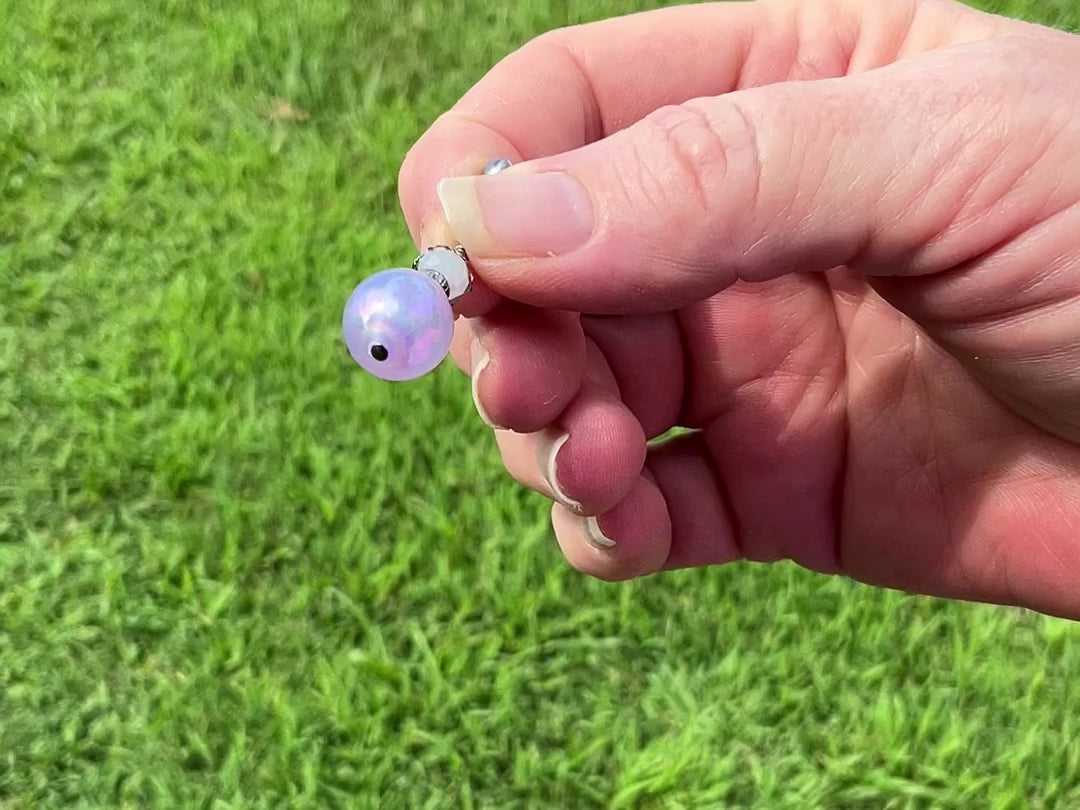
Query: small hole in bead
[[379, 352]]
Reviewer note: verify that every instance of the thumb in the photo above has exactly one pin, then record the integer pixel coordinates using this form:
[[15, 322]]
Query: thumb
[[871, 171]]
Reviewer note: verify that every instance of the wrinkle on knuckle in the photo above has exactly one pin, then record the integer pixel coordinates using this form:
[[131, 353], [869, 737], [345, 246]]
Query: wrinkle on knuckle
[[686, 157], [696, 155]]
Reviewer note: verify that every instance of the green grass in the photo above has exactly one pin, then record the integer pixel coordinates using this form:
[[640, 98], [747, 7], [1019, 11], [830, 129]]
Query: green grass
[[236, 573]]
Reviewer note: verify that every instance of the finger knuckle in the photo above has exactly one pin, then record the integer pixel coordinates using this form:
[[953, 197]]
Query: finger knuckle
[[690, 153]]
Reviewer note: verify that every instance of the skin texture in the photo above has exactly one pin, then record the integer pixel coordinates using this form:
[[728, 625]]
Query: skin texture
[[840, 241]]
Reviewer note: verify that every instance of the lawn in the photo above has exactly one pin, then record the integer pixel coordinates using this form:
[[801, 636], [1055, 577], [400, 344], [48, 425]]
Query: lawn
[[236, 573]]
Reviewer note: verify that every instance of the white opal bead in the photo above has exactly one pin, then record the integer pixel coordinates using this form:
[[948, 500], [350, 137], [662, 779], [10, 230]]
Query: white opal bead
[[448, 267]]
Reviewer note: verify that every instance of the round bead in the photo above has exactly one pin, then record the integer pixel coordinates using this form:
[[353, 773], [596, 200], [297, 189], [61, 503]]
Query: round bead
[[446, 264], [398, 324]]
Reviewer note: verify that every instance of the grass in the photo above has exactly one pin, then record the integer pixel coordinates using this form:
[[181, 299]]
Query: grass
[[234, 573]]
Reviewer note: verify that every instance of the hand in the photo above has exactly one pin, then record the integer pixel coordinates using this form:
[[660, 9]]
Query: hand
[[838, 240]]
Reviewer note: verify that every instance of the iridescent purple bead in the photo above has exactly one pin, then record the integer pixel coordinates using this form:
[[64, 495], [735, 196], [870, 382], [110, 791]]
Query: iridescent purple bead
[[398, 324]]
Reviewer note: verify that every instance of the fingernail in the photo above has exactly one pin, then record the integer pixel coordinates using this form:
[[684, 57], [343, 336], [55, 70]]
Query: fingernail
[[595, 537], [517, 214], [479, 359], [547, 456]]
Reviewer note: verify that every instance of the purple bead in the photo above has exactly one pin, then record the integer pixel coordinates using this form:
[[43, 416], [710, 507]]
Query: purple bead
[[398, 324]]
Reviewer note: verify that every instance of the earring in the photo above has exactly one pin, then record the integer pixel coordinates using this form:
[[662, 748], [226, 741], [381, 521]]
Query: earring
[[398, 323]]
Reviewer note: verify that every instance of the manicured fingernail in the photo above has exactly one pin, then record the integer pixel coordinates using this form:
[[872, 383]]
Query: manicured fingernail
[[547, 456], [595, 537], [479, 357], [517, 214]]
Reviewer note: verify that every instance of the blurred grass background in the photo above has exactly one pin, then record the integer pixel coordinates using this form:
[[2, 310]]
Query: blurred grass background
[[234, 572]]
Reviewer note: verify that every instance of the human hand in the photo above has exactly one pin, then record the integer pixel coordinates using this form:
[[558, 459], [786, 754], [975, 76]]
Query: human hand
[[839, 240]]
